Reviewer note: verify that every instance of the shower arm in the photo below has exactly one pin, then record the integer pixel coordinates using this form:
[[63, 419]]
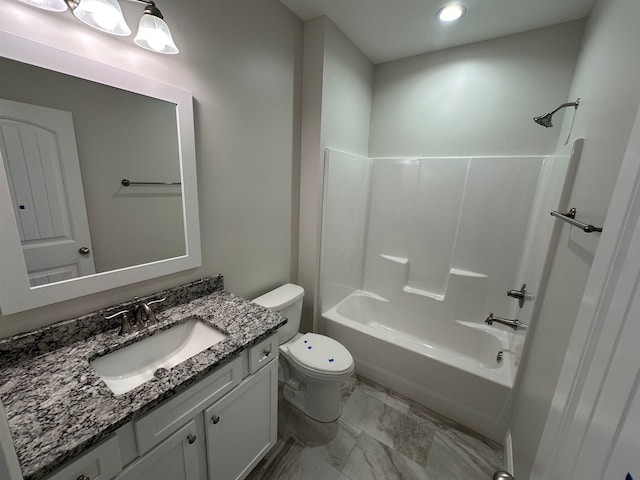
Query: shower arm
[[568, 104]]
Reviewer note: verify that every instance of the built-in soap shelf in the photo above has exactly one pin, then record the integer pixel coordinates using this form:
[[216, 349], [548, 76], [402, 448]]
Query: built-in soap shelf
[[394, 259], [466, 273], [407, 288], [424, 293]]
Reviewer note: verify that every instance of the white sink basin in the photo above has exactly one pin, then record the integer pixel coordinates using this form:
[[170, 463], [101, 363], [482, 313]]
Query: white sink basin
[[125, 369]]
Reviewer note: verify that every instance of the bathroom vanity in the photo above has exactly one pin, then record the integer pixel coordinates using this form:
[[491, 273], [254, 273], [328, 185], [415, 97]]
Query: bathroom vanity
[[213, 416], [238, 416]]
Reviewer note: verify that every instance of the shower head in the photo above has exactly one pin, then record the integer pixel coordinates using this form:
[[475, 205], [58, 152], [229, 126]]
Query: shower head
[[545, 120]]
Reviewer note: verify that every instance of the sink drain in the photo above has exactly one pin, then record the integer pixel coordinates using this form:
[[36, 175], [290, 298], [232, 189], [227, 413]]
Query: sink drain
[[161, 373]]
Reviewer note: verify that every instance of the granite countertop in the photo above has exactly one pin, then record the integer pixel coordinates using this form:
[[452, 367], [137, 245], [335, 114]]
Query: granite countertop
[[57, 406]]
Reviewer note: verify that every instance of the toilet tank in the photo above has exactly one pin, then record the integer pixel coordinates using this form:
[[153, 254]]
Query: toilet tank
[[287, 300]]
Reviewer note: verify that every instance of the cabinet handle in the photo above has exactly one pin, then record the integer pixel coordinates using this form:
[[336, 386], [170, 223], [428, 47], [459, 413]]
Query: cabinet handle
[[83, 477], [191, 439], [266, 353], [215, 419]]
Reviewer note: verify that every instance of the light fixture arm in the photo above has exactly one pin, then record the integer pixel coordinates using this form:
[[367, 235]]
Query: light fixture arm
[[150, 8]]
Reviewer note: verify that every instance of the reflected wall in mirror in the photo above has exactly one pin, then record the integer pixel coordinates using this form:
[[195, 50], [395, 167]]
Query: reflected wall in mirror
[[71, 129], [118, 134]]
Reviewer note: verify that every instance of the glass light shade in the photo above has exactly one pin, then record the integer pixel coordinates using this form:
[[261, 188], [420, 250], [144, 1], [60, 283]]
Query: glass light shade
[[153, 34], [105, 15], [51, 5]]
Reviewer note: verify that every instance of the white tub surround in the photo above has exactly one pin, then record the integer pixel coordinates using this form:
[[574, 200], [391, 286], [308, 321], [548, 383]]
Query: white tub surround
[[416, 253]]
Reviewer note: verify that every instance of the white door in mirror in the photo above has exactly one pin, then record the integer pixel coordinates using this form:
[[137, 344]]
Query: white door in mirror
[[40, 155]]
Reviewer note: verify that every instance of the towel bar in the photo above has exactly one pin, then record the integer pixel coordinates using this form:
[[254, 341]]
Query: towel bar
[[126, 182], [570, 216]]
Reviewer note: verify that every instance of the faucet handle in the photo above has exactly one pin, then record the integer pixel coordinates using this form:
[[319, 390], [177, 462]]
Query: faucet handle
[[153, 302], [151, 315], [125, 326]]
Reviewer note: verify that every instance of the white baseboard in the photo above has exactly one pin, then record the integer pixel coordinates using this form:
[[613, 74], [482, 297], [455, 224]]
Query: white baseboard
[[508, 452]]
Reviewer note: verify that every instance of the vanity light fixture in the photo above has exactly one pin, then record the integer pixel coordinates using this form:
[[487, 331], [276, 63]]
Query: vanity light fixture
[[50, 5], [106, 16], [451, 12], [153, 32]]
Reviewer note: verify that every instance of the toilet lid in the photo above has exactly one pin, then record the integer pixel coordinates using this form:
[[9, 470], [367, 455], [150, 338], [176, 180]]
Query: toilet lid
[[321, 353]]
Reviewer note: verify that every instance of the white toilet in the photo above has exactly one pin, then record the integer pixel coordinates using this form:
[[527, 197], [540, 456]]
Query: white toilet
[[313, 366]]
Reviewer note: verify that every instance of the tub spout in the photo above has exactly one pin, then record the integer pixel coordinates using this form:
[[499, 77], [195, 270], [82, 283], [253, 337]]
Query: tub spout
[[515, 324]]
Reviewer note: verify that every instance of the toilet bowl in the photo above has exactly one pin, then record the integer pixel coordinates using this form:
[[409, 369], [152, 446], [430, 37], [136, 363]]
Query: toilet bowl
[[313, 367]]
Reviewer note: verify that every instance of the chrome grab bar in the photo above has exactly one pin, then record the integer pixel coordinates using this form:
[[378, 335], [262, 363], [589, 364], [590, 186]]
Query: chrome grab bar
[[570, 216]]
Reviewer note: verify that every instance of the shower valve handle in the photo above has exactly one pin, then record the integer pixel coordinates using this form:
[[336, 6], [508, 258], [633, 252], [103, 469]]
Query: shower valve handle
[[521, 295]]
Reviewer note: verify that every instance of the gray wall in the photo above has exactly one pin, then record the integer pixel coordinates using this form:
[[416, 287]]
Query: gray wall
[[606, 79], [338, 84], [476, 99], [242, 61]]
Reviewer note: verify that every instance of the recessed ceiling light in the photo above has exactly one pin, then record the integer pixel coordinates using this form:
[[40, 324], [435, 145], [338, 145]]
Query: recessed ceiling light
[[450, 13]]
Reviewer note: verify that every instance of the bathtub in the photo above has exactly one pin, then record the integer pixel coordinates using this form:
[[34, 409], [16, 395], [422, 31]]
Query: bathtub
[[449, 366]]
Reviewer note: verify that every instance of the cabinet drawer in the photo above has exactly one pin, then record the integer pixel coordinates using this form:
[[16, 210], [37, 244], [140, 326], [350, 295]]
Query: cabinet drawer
[[100, 463], [168, 417], [263, 353]]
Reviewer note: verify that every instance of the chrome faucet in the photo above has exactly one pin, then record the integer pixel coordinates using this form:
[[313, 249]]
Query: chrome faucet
[[515, 324], [144, 314]]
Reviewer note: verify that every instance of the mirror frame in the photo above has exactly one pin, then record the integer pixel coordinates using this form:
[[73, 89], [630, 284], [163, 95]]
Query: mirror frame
[[16, 294]]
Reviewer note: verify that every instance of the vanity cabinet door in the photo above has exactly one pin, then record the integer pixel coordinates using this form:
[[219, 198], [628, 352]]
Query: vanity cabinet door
[[100, 463], [242, 427], [174, 459]]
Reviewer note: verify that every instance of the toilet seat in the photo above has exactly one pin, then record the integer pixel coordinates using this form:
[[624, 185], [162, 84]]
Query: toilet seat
[[320, 355]]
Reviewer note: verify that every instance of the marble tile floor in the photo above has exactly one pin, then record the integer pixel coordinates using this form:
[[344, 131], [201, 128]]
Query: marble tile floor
[[380, 435]]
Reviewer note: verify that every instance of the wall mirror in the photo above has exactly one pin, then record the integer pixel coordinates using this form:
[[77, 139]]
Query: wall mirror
[[71, 130]]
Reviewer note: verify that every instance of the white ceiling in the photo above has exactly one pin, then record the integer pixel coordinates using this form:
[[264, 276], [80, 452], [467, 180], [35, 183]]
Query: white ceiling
[[390, 29]]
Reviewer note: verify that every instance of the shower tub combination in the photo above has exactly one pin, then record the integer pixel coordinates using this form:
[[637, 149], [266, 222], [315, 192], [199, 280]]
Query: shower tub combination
[[451, 367], [415, 255]]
